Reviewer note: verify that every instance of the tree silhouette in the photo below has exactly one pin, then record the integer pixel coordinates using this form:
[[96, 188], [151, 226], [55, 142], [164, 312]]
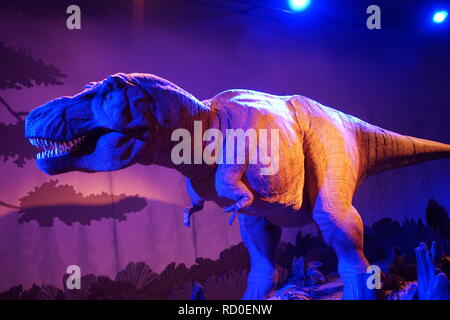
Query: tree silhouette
[[50, 201], [24, 71], [15, 146], [21, 71], [437, 219]]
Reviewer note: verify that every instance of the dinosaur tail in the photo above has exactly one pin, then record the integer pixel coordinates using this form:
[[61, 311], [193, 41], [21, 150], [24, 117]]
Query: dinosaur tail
[[386, 150]]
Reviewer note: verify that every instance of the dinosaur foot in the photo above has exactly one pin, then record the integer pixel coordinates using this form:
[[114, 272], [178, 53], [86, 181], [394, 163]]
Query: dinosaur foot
[[258, 291], [356, 288]]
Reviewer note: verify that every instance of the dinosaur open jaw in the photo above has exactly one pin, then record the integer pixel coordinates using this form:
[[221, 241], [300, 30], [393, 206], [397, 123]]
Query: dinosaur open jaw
[[54, 149], [78, 147]]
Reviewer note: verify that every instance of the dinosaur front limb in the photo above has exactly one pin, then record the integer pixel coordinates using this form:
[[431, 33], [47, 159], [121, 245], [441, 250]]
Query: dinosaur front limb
[[229, 185], [261, 239], [196, 201], [188, 212]]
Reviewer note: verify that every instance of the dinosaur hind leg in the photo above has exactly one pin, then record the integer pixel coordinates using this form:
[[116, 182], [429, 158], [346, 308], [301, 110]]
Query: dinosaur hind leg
[[261, 239], [342, 229]]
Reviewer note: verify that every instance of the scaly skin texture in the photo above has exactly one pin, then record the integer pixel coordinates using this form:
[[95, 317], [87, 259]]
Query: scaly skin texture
[[323, 157]]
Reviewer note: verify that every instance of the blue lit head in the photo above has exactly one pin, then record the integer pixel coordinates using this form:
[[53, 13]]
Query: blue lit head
[[440, 16], [102, 128], [299, 5]]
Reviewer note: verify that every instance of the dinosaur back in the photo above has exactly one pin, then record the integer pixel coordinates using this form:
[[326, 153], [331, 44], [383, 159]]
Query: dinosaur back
[[245, 109]]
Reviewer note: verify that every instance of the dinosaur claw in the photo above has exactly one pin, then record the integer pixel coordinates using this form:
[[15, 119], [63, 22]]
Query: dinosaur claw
[[229, 209], [235, 208], [232, 218], [187, 217]]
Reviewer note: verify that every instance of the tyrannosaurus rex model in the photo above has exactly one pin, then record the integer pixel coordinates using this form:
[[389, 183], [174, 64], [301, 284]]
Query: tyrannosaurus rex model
[[322, 155]]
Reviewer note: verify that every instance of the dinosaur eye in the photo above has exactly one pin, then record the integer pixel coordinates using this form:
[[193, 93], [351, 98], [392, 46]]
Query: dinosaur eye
[[108, 97]]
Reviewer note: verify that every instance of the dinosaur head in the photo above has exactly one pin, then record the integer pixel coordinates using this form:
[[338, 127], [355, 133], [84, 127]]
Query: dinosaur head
[[110, 125]]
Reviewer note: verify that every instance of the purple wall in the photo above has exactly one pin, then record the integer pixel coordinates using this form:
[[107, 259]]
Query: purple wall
[[389, 78]]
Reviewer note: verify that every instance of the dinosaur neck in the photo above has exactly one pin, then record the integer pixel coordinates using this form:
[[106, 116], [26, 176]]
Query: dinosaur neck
[[196, 118]]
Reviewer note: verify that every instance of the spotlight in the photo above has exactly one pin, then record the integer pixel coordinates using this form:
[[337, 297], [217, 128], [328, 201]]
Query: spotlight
[[440, 16], [298, 5]]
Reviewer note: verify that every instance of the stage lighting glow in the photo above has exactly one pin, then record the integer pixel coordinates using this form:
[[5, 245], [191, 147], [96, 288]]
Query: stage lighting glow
[[440, 16], [299, 5]]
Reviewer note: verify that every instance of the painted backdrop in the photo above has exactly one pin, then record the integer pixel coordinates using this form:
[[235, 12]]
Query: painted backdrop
[[395, 78]]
